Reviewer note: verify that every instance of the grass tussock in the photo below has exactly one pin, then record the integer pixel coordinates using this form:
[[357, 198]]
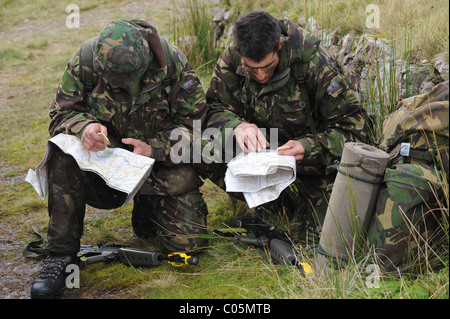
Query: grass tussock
[[193, 33]]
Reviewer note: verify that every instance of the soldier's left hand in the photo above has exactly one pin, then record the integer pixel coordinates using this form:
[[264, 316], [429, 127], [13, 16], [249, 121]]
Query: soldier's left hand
[[295, 149], [140, 148]]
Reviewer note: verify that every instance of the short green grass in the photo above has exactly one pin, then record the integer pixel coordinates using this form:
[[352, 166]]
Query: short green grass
[[35, 48]]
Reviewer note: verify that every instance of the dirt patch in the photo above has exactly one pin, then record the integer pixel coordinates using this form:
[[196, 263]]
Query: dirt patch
[[16, 272], [6, 177]]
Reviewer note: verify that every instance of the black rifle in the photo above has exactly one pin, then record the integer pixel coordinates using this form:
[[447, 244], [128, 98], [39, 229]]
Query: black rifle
[[102, 252], [269, 241]]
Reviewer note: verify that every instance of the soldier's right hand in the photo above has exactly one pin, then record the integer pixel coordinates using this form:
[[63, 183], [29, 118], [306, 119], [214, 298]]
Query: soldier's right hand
[[90, 138], [250, 138]]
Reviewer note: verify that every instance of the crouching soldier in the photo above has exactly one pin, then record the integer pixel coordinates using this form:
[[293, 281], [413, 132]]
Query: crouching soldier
[[136, 89]]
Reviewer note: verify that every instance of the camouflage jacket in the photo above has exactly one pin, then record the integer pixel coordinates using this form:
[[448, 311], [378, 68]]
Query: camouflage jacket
[[235, 97], [150, 116]]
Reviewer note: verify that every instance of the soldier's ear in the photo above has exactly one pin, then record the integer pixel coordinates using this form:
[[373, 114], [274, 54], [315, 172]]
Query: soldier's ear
[[280, 43]]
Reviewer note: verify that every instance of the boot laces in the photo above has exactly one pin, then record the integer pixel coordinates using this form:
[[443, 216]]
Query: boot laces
[[54, 266]]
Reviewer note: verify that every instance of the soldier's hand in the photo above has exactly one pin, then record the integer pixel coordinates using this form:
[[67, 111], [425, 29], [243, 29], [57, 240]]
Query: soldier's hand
[[90, 138], [293, 148], [140, 148], [250, 138]]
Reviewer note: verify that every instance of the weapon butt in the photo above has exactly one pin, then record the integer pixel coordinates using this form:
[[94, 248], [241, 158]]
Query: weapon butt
[[282, 253], [257, 242], [139, 258]]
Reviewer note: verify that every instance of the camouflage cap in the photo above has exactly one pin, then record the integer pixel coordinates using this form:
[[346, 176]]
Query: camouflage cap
[[122, 53]]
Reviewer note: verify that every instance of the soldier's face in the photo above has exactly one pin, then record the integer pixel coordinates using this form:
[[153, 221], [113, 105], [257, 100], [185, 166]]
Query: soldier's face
[[263, 70]]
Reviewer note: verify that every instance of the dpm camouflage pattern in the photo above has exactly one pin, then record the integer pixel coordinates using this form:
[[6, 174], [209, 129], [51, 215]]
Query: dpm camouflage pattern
[[180, 220], [169, 99], [235, 97], [408, 214], [122, 54], [421, 121], [150, 116]]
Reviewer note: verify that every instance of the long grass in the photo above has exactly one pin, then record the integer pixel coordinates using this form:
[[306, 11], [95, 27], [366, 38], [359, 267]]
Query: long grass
[[193, 33], [427, 21]]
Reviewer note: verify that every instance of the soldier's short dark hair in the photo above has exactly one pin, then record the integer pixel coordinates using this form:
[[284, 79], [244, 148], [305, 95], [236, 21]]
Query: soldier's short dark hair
[[256, 34]]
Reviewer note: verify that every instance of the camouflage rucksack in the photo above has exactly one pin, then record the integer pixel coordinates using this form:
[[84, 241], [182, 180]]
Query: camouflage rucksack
[[408, 212]]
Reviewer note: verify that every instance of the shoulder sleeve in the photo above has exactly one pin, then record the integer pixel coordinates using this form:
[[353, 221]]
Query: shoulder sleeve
[[340, 116], [223, 94], [187, 109]]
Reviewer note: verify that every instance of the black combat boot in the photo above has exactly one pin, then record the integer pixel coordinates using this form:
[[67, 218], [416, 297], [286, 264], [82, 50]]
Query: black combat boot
[[52, 278]]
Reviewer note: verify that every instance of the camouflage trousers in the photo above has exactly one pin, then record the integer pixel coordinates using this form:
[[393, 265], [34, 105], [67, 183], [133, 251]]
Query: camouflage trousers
[[179, 217], [313, 195]]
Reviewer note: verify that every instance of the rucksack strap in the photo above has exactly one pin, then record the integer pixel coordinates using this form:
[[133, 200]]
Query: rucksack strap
[[167, 82], [35, 248], [87, 64], [429, 157]]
